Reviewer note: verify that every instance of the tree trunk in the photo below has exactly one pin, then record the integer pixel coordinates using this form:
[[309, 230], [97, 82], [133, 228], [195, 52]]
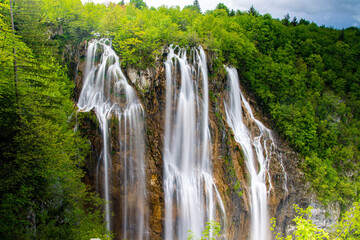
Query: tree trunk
[[14, 52]]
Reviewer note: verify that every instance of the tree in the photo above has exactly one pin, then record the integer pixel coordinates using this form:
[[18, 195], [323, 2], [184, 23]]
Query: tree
[[253, 12], [232, 13], [286, 20], [294, 22], [140, 4], [342, 35], [223, 6], [304, 22], [14, 51], [197, 6]]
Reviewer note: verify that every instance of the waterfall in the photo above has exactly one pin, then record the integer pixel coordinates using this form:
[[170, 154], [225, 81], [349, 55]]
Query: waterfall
[[191, 197], [258, 150], [121, 117]]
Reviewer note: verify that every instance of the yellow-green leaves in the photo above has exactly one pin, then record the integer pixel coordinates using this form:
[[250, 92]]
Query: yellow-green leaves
[[211, 232], [305, 228], [348, 228]]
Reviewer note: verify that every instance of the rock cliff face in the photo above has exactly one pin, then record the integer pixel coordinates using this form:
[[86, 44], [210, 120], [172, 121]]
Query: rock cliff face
[[229, 169]]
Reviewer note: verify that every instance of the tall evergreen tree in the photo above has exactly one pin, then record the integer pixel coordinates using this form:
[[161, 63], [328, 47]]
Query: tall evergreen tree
[[253, 12], [196, 6], [42, 196]]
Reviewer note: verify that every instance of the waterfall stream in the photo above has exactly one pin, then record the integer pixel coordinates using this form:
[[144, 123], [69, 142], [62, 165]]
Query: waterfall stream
[[121, 117], [258, 150], [191, 197], [190, 194]]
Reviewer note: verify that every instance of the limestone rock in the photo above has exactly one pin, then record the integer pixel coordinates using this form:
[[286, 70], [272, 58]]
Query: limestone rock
[[324, 216], [140, 78]]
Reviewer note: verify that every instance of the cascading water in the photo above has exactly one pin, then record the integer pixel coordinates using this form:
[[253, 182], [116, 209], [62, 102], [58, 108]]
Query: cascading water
[[121, 117], [258, 151], [191, 197]]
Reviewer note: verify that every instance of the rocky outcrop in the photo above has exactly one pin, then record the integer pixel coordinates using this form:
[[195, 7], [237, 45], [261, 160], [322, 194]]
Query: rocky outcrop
[[324, 216], [141, 78]]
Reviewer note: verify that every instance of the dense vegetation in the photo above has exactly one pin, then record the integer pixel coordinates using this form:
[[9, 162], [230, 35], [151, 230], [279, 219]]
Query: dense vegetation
[[42, 195], [305, 77]]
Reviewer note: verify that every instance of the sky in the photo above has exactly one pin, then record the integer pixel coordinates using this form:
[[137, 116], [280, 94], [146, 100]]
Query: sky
[[331, 13]]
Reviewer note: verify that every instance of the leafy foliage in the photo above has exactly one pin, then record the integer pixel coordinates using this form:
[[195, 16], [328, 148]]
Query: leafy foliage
[[347, 228], [211, 231], [138, 4], [305, 228]]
